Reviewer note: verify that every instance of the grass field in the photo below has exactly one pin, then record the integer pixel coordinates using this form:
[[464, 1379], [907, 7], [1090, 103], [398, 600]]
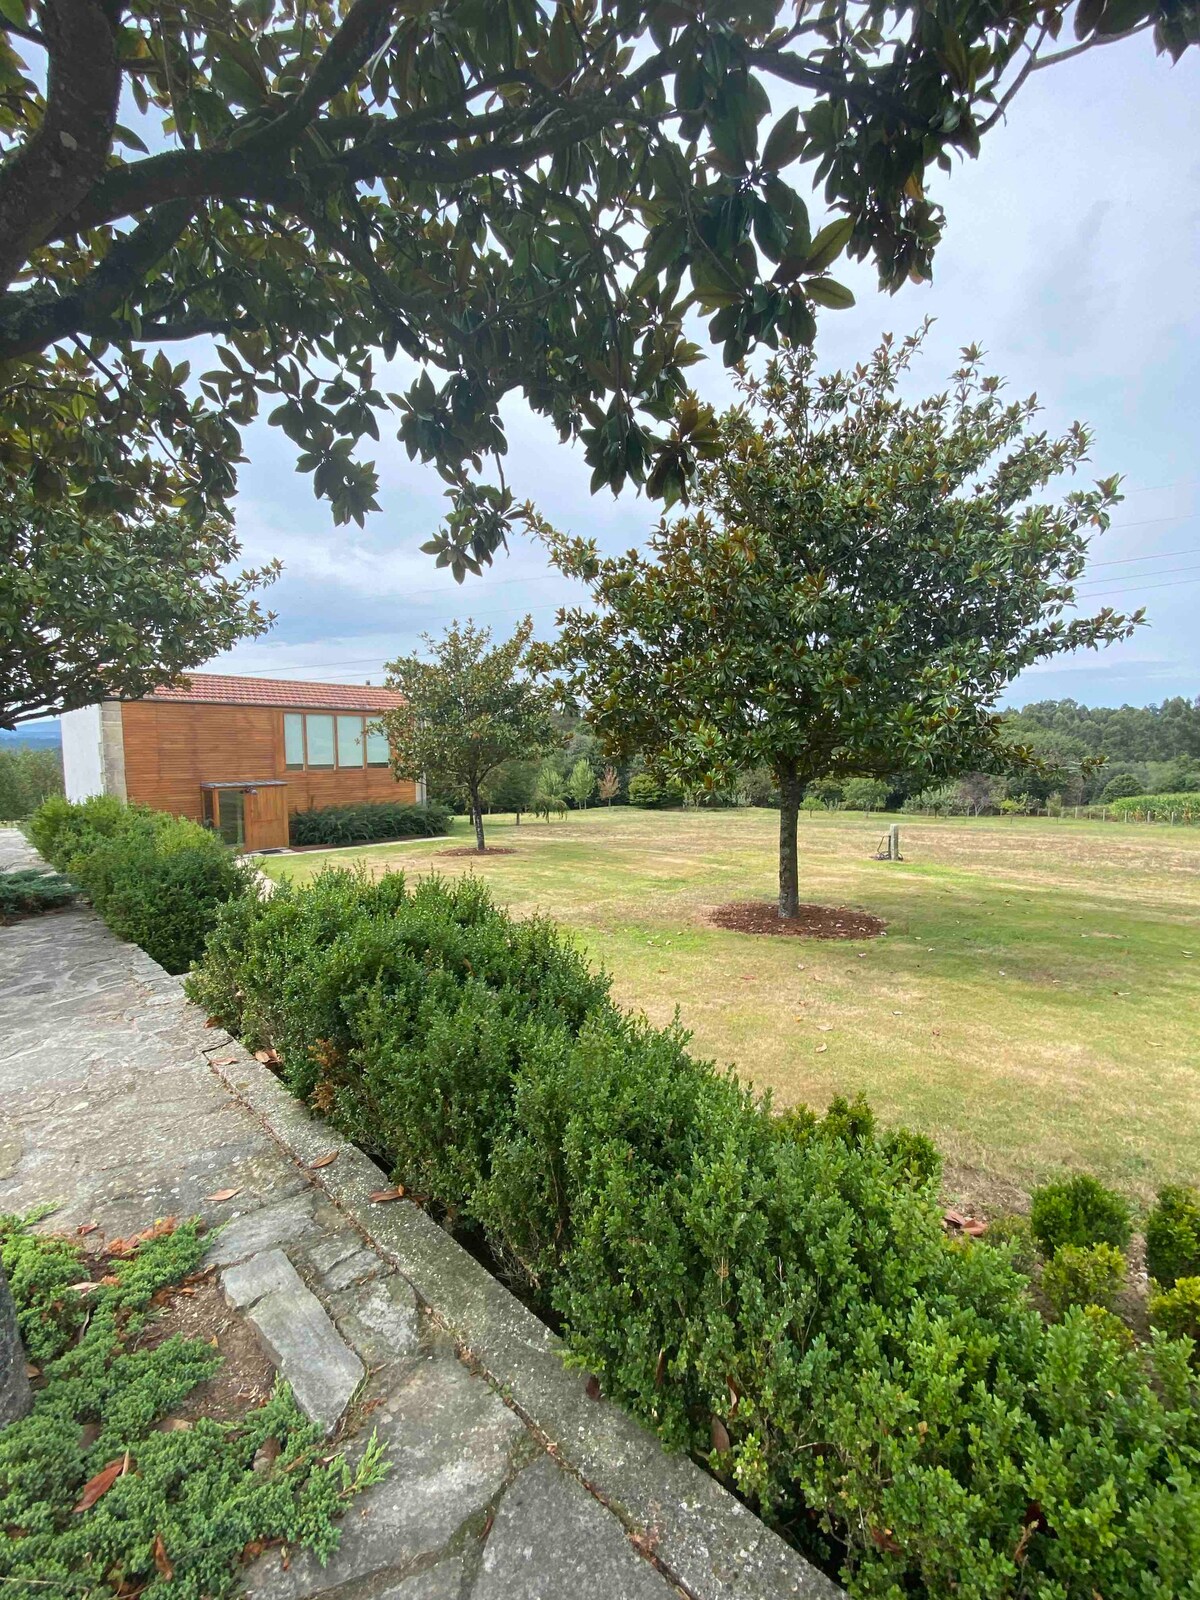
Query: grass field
[[1034, 1005]]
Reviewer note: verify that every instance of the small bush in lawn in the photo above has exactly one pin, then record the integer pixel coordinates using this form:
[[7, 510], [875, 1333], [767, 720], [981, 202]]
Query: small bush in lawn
[[58, 828], [29, 889], [1078, 1211], [1176, 1312], [1083, 1275], [1173, 1235], [371, 822]]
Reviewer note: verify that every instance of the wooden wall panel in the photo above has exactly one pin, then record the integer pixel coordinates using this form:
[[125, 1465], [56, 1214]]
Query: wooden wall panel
[[172, 747]]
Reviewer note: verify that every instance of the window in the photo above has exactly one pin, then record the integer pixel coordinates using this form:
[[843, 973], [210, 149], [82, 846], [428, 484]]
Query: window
[[350, 741], [320, 741], [293, 740], [377, 748]]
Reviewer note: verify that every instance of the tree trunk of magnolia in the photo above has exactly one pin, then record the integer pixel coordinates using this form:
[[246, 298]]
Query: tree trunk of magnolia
[[16, 1397], [790, 789], [477, 818]]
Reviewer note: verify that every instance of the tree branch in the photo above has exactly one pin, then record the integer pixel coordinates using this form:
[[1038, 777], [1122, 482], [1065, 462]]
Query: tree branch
[[31, 322], [62, 160]]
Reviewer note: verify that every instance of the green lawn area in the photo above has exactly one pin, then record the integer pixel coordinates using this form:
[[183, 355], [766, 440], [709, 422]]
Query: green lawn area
[[1034, 1006]]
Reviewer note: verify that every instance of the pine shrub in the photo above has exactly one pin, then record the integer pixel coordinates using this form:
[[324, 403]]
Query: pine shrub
[[30, 889]]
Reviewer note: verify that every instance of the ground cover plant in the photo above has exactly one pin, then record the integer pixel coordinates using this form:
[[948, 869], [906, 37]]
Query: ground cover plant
[[155, 879], [775, 1294], [25, 890], [96, 1497], [367, 823], [1033, 1005]]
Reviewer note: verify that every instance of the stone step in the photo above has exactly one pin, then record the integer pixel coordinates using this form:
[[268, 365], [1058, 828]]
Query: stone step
[[297, 1334]]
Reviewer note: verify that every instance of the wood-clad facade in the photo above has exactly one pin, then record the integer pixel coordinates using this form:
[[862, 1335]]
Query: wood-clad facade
[[208, 751]]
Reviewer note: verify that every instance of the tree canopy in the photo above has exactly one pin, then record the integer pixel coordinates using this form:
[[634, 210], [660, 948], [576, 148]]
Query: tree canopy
[[467, 711], [96, 606], [519, 196], [859, 580]]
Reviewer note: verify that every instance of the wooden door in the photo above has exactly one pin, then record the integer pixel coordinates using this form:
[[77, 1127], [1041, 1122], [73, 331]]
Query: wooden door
[[267, 818]]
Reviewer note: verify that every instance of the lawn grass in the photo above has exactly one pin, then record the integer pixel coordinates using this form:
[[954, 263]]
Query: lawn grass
[[1034, 1006]]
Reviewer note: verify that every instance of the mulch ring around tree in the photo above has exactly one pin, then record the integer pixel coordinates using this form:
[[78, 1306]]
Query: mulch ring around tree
[[488, 850], [813, 922]]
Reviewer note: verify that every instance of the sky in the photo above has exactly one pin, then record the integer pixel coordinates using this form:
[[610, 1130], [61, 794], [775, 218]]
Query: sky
[[1072, 255]]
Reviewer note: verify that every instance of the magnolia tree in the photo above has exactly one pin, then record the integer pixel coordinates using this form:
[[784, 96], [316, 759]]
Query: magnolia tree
[[97, 606], [466, 711], [513, 196], [859, 580]]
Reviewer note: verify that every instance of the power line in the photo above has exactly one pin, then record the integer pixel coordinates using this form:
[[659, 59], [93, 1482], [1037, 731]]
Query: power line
[[1107, 594], [1163, 555], [1167, 572]]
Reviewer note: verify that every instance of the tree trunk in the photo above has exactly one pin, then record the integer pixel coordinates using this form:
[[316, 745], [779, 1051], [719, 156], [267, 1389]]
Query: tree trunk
[[16, 1397], [790, 789], [518, 823], [477, 818]]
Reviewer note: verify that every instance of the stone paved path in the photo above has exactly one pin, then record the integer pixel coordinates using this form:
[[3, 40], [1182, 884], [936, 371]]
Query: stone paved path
[[109, 1110]]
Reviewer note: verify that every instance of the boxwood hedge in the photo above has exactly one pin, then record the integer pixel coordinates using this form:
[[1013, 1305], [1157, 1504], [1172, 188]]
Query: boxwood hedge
[[369, 823], [774, 1294]]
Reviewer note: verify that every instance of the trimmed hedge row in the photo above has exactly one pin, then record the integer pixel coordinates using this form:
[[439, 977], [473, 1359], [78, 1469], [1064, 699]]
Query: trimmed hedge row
[[155, 879], [775, 1295], [369, 823]]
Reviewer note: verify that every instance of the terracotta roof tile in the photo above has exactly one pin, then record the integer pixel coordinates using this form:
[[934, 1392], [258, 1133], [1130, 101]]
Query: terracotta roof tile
[[215, 688]]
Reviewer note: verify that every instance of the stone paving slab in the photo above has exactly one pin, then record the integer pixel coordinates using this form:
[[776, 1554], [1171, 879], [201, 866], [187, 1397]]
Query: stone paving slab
[[118, 1105]]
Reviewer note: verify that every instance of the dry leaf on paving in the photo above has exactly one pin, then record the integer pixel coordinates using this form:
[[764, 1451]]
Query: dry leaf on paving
[[323, 1161], [592, 1387], [223, 1061], [223, 1194], [86, 1228], [269, 1058], [102, 1482], [381, 1196]]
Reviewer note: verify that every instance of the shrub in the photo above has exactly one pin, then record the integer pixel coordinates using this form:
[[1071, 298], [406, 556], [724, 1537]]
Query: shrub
[[1088, 1275], [1013, 1233], [28, 775], [155, 879], [775, 1295], [370, 822], [1078, 1211], [1121, 786], [654, 793], [757, 787], [1173, 1235], [33, 889], [1176, 1312]]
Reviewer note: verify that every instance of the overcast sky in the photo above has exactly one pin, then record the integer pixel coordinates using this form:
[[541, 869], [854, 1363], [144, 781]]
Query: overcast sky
[[1072, 254]]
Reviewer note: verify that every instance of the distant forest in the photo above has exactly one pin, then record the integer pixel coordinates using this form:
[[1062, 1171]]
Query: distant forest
[[1158, 746]]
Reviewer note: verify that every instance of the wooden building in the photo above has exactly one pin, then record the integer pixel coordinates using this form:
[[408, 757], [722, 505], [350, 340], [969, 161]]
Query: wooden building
[[240, 754]]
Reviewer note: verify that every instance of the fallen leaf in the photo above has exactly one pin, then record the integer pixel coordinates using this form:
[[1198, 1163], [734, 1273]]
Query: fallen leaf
[[31, 1371], [660, 1369], [821, 1049], [381, 1196], [86, 1228], [223, 1194], [720, 1436], [214, 1342], [174, 1425], [592, 1387], [223, 1061], [266, 1455], [269, 1058], [824, 1027], [88, 1286], [252, 1548], [161, 1559], [102, 1482], [884, 1538], [212, 1022], [126, 1247], [323, 1161]]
